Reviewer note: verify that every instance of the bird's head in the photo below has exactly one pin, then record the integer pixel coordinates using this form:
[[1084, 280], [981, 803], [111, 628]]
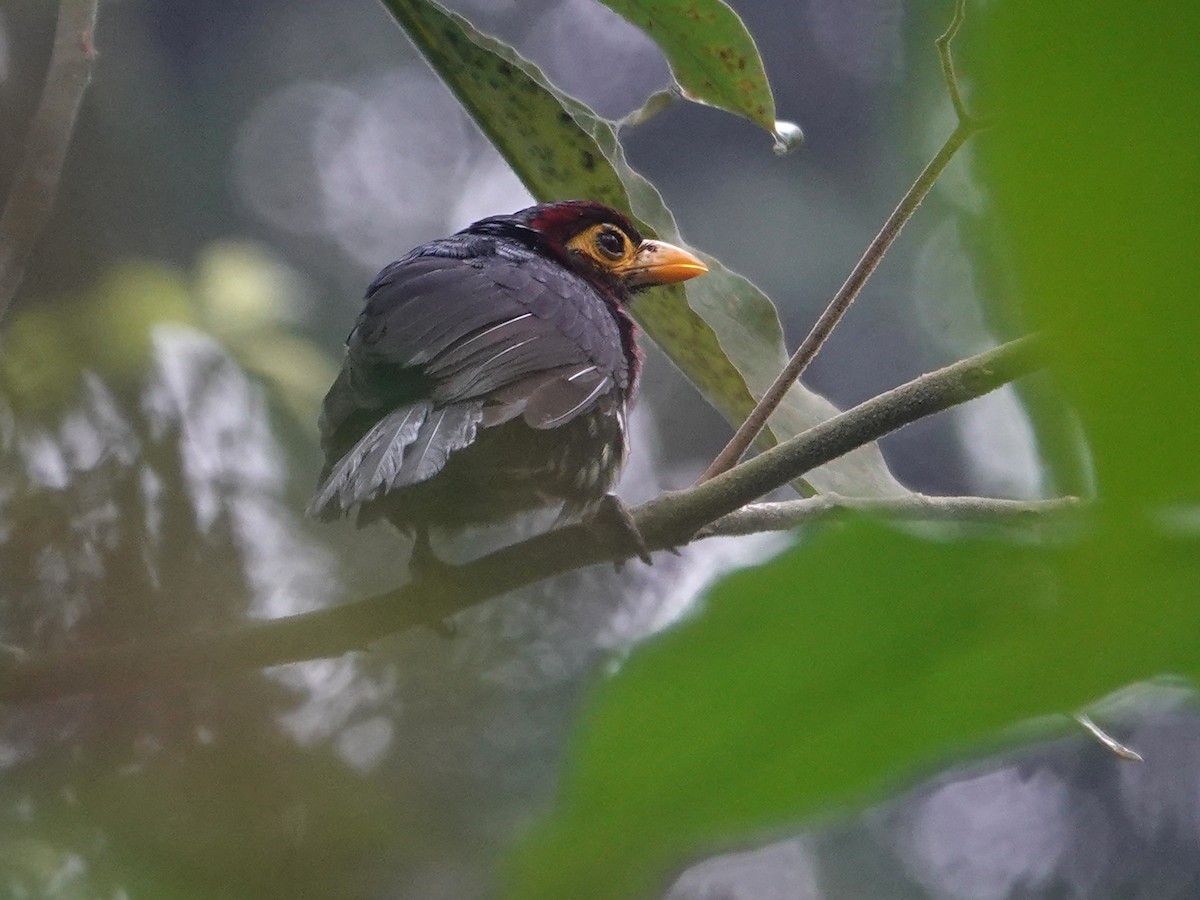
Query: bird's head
[[602, 245]]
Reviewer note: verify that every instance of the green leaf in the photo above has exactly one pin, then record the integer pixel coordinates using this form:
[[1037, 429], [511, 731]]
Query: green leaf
[[721, 331], [1095, 173], [848, 663], [711, 54]]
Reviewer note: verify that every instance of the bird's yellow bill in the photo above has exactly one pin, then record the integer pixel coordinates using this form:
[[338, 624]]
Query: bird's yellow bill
[[657, 262]]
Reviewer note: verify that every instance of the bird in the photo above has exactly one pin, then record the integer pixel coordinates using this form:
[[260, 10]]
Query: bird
[[490, 373]]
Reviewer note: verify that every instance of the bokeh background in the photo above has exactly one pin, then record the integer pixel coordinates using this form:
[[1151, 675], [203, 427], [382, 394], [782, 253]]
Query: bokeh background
[[239, 173]]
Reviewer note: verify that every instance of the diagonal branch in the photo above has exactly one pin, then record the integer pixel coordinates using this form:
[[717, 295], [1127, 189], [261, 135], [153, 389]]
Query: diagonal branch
[[673, 519], [862, 271], [31, 196]]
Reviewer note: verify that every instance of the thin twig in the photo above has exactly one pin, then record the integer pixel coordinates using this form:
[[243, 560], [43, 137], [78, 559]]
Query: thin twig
[[947, 60], [31, 196], [668, 521], [788, 514], [862, 271]]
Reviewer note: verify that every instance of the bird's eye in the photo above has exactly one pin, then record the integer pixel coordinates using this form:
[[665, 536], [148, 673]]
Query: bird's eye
[[611, 243]]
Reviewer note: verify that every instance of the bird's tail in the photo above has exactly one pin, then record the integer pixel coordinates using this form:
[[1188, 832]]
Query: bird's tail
[[408, 446]]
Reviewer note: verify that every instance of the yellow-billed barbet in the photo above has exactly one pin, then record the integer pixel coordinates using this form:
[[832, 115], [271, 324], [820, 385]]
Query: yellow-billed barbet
[[490, 372]]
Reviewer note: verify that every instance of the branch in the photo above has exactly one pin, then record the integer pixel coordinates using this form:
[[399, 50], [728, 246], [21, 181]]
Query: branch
[[31, 197], [788, 514], [668, 521], [862, 271]]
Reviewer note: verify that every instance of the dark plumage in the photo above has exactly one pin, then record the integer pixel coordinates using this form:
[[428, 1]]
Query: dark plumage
[[489, 372]]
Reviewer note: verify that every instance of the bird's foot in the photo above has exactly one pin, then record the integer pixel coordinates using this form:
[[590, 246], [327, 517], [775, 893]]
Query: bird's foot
[[613, 524], [424, 563]]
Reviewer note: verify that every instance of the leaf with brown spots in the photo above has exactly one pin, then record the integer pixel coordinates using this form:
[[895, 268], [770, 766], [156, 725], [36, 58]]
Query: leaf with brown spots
[[711, 54]]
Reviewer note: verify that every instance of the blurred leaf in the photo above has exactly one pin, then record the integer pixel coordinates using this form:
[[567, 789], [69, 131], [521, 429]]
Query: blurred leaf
[[116, 321], [721, 331], [297, 371], [106, 330], [821, 677], [40, 363], [1095, 169], [251, 815], [241, 294], [711, 54], [249, 300], [36, 868], [242, 287]]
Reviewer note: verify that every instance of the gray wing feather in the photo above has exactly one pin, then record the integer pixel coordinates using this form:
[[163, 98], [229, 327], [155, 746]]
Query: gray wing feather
[[565, 397], [373, 464], [446, 430]]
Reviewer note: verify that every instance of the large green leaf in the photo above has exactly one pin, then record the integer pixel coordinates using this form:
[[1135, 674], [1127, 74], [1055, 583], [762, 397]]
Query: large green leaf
[[824, 676], [722, 332], [1096, 172], [711, 54]]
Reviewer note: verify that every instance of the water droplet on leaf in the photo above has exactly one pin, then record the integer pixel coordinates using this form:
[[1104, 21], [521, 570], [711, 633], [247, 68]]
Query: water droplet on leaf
[[788, 137]]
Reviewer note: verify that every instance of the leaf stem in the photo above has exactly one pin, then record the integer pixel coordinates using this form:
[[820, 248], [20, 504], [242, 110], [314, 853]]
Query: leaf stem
[[785, 515]]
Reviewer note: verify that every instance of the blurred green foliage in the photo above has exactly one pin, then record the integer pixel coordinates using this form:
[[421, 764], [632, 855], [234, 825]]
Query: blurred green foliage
[[251, 302], [237, 292], [860, 657], [1095, 166], [106, 330]]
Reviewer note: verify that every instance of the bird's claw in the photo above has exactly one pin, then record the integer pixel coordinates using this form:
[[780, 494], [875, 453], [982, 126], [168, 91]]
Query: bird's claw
[[613, 524]]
